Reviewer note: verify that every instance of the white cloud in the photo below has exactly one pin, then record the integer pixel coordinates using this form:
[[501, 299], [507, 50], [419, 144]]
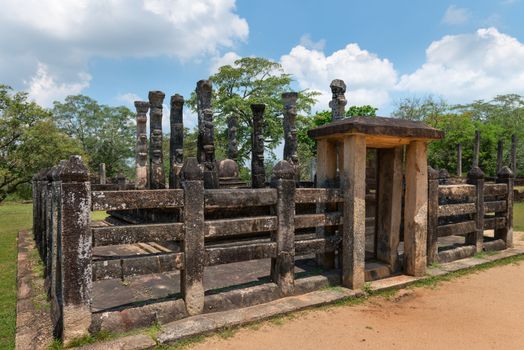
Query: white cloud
[[368, 77], [456, 15], [44, 89], [308, 43], [227, 59], [65, 35], [468, 67], [129, 98]]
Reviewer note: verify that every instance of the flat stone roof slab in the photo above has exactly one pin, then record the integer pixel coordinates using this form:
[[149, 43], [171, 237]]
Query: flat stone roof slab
[[398, 130]]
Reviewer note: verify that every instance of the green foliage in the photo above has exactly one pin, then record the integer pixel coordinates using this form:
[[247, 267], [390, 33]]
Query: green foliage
[[361, 111], [518, 216], [29, 141], [458, 129], [496, 119], [417, 108], [106, 133], [251, 80], [505, 113], [307, 146]]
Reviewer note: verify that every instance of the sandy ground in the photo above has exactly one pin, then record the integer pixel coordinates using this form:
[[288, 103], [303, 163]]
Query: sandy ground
[[484, 310]]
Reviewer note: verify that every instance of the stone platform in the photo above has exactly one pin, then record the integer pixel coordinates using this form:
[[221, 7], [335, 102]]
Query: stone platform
[[165, 285]]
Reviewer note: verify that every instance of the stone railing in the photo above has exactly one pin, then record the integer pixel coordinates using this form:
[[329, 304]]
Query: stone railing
[[63, 202], [213, 227], [468, 210]]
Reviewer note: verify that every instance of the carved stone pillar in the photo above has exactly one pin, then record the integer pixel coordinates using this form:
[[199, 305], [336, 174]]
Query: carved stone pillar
[[157, 176], [176, 141], [141, 144], [289, 100], [232, 147], [258, 174], [206, 141], [338, 101], [208, 151], [204, 91]]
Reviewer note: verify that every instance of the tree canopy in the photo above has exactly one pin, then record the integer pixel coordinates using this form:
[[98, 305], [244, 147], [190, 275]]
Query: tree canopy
[[496, 119], [29, 141], [106, 133], [251, 80], [306, 145]]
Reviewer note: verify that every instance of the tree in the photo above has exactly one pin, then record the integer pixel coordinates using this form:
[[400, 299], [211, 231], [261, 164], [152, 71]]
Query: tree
[[416, 108], [460, 128], [251, 80], [106, 133], [506, 114], [307, 148], [496, 119], [29, 141], [361, 111]]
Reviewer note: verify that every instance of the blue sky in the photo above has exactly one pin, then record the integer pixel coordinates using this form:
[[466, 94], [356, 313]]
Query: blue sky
[[116, 51]]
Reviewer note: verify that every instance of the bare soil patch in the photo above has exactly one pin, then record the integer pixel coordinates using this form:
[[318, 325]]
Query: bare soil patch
[[484, 310]]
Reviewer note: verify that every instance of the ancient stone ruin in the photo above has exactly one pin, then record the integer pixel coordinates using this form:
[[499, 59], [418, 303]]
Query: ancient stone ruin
[[211, 242]]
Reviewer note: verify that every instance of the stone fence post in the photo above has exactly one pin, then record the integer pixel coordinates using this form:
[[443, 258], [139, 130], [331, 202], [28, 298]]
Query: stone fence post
[[48, 222], [34, 192], [282, 267], [433, 180], [51, 228], [54, 277], [507, 177], [42, 183], [121, 182], [192, 285], [476, 178], [38, 208], [74, 248]]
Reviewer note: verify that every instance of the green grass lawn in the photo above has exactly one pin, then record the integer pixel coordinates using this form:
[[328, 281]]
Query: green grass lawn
[[13, 217], [518, 216]]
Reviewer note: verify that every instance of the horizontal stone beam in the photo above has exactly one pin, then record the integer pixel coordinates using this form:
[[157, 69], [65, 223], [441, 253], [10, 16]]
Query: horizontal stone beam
[[495, 206], [317, 245], [457, 253], [318, 220], [226, 255], [318, 195], [494, 223], [456, 209], [457, 229], [464, 193], [129, 234], [495, 190], [497, 244], [140, 265], [231, 198], [127, 318], [231, 227], [137, 199]]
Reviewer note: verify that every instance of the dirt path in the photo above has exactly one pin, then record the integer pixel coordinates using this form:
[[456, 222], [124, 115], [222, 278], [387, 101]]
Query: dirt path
[[479, 311]]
